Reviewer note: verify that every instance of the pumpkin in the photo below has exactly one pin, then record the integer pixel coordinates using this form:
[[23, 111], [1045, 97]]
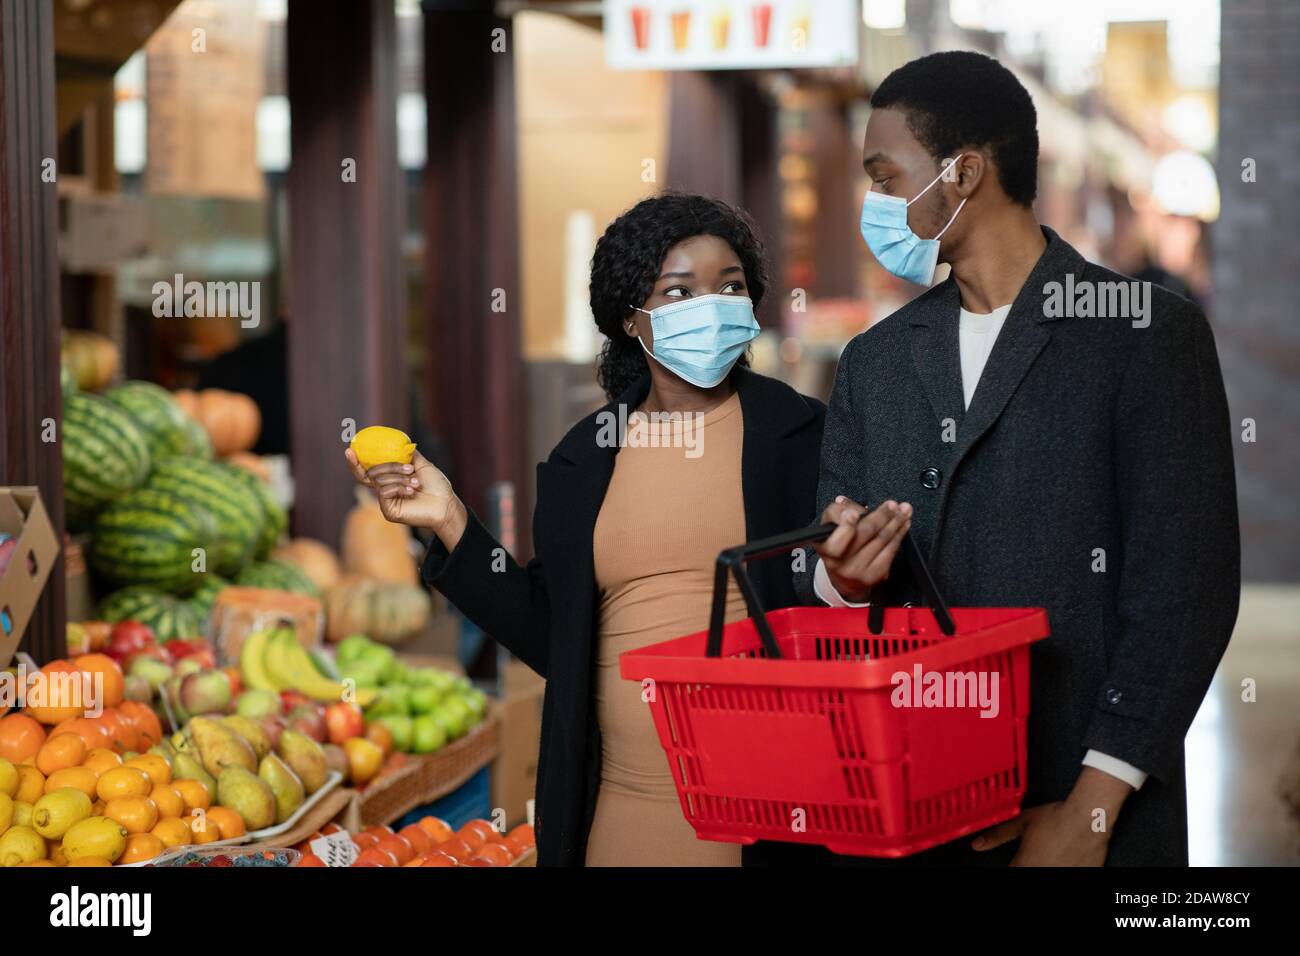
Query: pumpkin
[[314, 558], [231, 419], [188, 400], [387, 612], [374, 547], [250, 463]]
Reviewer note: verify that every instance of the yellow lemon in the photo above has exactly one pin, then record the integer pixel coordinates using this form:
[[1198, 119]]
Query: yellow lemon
[[122, 782], [95, 836], [22, 814], [378, 445], [39, 863], [58, 810], [77, 777], [8, 778], [21, 845], [173, 831], [89, 861], [6, 811], [156, 769], [31, 784]]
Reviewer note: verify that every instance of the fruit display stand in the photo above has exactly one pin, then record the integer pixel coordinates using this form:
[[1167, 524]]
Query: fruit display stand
[[425, 778]]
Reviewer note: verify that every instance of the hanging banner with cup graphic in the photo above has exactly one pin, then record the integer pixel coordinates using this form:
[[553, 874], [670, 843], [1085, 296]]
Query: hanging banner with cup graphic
[[730, 34]]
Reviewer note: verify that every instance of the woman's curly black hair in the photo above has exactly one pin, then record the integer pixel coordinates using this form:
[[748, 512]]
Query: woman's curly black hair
[[627, 261]]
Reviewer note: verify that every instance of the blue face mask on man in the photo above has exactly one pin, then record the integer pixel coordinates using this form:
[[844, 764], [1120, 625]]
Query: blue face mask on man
[[892, 241], [700, 339]]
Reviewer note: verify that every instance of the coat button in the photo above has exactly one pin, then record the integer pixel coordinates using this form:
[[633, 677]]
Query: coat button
[[931, 477], [1113, 696]]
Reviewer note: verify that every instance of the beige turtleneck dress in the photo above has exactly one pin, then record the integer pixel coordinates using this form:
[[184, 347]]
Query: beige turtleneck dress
[[667, 513]]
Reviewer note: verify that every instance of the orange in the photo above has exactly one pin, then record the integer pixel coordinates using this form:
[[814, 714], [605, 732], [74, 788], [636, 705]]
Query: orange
[[89, 861], [157, 769], [523, 834], [59, 753], [21, 737], [436, 828], [399, 846], [123, 782], [31, 784], [141, 847], [194, 793], [311, 859], [103, 668], [63, 698], [173, 831], [39, 863], [78, 777], [121, 731], [137, 814], [91, 731], [203, 829], [472, 835], [101, 760], [418, 837], [168, 799], [56, 853], [496, 853], [230, 823], [146, 722]]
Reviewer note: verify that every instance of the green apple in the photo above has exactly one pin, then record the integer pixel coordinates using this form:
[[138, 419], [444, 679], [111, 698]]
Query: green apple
[[426, 734], [399, 725], [423, 698], [351, 648], [476, 700], [257, 703], [383, 658], [364, 673]]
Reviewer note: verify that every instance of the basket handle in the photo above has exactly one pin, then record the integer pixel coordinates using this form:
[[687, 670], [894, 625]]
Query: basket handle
[[733, 560]]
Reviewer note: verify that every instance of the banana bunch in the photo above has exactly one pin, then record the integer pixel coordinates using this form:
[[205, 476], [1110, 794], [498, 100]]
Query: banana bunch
[[272, 659]]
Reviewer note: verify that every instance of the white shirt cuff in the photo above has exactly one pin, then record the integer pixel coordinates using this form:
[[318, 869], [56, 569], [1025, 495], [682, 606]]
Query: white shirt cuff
[[823, 588], [1130, 774]]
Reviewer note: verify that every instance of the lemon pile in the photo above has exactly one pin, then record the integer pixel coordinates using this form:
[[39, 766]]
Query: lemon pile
[[379, 445]]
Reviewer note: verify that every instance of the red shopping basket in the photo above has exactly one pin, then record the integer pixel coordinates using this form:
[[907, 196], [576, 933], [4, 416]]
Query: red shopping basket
[[872, 732]]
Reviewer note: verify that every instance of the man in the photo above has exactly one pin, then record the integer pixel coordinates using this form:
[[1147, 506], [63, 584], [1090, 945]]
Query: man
[[1053, 435]]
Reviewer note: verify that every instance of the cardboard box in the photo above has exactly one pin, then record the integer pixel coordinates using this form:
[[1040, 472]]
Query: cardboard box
[[22, 515], [514, 772]]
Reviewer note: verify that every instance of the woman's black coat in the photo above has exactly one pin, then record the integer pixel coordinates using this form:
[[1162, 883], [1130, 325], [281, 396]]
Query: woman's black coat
[[546, 612]]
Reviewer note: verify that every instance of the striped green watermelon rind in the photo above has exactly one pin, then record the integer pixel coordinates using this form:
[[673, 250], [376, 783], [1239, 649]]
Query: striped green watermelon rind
[[203, 599], [157, 414], [200, 443], [277, 576], [151, 537], [105, 456], [235, 510], [168, 617], [276, 521]]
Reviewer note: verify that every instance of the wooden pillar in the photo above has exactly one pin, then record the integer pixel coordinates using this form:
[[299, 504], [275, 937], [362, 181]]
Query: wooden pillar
[[704, 134], [473, 309], [760, 188], [836, 237], [345, 303], [29, 287]]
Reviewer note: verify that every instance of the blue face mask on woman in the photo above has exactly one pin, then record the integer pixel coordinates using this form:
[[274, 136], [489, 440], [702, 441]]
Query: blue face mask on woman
[[892, 241], [700, 339]]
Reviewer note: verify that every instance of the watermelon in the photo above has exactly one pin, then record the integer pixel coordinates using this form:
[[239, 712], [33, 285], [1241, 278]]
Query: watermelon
[[200, 441], [167, 616], [105, 455], [277, 576], [67, 384], [149, 537], [277, 521], [205, 597], [158, 415], [235, 510]]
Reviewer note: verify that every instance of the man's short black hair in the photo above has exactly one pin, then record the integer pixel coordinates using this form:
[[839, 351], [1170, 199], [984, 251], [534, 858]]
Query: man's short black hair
[[961, 98]]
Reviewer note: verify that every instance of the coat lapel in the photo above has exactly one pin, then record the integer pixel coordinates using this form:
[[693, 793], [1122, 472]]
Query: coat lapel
[[936, 351]]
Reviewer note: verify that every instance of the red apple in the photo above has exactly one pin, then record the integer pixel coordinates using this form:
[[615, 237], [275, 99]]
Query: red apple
[[344, 721], [274, 726], [291, 699], [126, 638], [309, 718]]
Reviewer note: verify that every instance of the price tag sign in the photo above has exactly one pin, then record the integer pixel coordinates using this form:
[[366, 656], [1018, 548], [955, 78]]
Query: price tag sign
[[336, 849]]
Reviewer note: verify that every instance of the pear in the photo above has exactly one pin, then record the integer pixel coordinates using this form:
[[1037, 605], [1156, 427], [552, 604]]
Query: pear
[[251, 731], [185, 766], [219, 747], [248, 795], [284, 783], [305, 757]]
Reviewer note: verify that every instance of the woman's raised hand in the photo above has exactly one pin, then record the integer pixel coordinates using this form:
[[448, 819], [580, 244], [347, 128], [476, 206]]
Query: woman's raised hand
[[417, 494]]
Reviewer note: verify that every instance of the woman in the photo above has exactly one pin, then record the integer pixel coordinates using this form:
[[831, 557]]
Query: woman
[[628, 525]]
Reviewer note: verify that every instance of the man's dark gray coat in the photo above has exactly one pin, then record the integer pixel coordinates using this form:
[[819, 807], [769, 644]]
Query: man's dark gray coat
[[1089, 443]]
